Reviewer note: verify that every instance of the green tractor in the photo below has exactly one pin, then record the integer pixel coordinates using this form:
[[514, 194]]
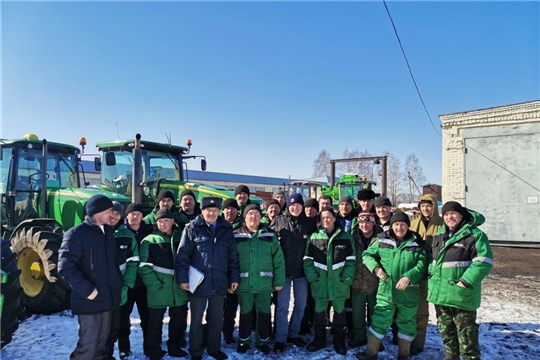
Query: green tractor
[[141, 169], [348, 185], [40, 199]]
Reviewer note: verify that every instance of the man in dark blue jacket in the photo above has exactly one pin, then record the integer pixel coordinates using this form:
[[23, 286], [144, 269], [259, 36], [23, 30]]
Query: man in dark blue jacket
[[86, 261], [208, 245]]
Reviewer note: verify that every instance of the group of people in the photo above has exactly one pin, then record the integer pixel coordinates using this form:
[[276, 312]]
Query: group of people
[[361, 268]]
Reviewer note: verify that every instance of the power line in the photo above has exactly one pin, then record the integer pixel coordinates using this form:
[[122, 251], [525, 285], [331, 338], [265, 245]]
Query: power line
[[502, 167], [427, 112], [410, 70]]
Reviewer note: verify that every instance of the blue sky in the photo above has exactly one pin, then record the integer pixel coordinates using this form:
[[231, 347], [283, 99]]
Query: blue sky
[[262, 87]]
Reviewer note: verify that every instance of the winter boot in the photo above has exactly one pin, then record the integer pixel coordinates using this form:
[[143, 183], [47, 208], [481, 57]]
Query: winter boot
[[404, 349], [395, 331], [372, 349], [319, 342], [108, 353], [339, 332], [417, 345]]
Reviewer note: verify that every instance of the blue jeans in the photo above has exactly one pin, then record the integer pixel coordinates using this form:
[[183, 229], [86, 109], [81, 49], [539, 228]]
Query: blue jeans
[[284, 328]]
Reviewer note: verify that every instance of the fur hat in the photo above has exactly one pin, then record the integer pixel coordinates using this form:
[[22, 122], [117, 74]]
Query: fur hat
[[211, 201], [366, 194]]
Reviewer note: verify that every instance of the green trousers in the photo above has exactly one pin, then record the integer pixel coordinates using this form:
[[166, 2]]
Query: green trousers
[[384, 315], [262, 306], [363, 307]]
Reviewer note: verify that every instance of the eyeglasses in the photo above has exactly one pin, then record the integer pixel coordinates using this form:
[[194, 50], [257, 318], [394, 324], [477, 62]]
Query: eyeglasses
[[366, 218]]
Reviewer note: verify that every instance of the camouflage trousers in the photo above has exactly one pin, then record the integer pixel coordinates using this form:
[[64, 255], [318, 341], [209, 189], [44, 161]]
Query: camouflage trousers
[[459, 332]]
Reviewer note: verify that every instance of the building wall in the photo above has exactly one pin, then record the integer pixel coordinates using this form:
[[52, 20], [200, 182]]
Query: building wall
[[477, 145]]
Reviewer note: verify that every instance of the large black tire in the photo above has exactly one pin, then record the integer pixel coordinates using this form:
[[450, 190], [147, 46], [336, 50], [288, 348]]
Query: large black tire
[[11, 291], [44, 292]]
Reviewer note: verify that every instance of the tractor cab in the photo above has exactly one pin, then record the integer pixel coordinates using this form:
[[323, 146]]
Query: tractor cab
[[27, 167], [143, 163]]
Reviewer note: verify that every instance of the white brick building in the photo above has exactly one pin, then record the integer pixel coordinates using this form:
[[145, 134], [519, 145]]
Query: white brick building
[[491, 163]]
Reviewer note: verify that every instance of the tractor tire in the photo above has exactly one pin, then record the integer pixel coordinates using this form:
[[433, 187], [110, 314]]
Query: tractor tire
[[44, 292], [11, 290]]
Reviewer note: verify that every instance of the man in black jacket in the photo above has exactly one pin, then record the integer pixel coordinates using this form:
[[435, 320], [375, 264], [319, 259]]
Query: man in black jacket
[[86, 261], [293, 229], [208, 245]]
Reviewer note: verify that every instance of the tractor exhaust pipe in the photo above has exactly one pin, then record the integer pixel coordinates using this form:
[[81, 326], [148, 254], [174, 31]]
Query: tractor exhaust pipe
[[43, 200], [137, 175]]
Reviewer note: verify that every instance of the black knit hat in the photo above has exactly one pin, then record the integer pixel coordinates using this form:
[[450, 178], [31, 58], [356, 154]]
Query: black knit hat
[[241, 188], [165, 194], [329, 209], [382, 201], [271, 202], [164, 214], [296, 198], [400, 216], [251, 207], [231, 203], [347, 199], [366, 194], [312, 202], [454, 206], [118, 208], [134, 207], [97, 204], [188, 192], [211, 201]]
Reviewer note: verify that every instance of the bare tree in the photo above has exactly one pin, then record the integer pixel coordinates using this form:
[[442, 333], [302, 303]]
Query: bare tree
[[358, 167], [415, 177], [321, 165], [395, 178]]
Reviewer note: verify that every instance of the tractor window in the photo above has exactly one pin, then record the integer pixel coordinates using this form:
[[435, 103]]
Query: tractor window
[[29, 170], [350, 190], [161, 167], [4, 169], [118, 176], [61, 170]]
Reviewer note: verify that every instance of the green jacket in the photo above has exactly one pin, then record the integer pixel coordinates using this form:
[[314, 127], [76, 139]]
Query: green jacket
[[127, 254], [465, 256], [262, 265], [406, 258], [330, 264], [157, 254], [179, 218]]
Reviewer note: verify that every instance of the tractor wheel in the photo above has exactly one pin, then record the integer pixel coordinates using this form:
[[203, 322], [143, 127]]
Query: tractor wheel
[[11, 292], [44, 292]]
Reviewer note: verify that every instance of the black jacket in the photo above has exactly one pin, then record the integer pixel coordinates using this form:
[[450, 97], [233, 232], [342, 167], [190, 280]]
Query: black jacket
[[87, 260], [211, 251], [293, 233], [144, 230]]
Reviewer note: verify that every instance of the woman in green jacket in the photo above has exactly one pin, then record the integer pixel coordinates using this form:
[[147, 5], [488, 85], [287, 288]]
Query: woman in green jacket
[[262, 270], [398, 259], [462, 258], [330, 267]]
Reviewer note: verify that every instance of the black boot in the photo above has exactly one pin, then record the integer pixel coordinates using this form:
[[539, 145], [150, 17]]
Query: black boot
[[108, 353], [319, 342], [339, 333]]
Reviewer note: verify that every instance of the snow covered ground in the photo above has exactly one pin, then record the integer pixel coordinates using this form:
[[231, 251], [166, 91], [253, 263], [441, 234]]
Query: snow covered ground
[[509, 329]]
